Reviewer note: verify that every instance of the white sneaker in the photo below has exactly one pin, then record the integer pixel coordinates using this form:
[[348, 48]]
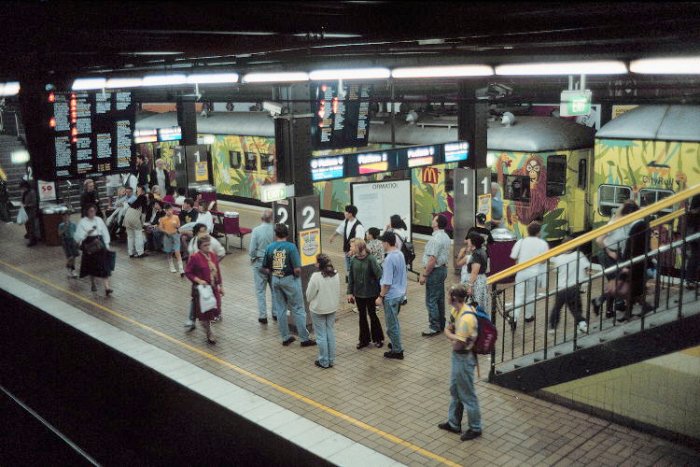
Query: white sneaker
[[582, 327], [189, 323], [172, 269], [551, 331], [73, 273]]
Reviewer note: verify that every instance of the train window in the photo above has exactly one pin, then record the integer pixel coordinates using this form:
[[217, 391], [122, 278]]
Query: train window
[[582, 173], [517, 188], [234, 159], [611, 197], [556, 175], [649, 196], [251, 161], [268, 163]]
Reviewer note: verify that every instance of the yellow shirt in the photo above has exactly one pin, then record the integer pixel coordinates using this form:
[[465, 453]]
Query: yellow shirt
[[466, 325], [169, 224]]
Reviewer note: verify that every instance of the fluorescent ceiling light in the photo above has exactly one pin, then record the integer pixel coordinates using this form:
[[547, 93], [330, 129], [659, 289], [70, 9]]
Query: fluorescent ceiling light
[[276, 77], [148, 53], [82, 84], [563, 68], [123, 83], [329, 35], [443, 71], [666, 66], [350, 73], [204, 78], [9, 89], [164, 80]]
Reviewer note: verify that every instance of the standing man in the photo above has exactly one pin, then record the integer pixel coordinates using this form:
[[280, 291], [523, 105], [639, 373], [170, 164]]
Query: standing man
[[283, 262], [496, 206], [391, 295], [142, 173], [435, 257], [462, 333], [260, 239], [349, 229]]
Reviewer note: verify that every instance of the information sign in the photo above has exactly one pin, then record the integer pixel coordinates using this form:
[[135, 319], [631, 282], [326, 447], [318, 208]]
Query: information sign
[[170, 134], [145, 136], [575, 103], [327, 168], [341, 115], [47, 190], [273, 192]]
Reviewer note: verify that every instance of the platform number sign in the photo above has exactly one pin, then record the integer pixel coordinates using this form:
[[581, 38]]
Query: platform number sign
[[283, 211], [308, 229]]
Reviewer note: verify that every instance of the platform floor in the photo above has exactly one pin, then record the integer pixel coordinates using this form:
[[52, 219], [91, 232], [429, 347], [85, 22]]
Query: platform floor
[[390, 406]]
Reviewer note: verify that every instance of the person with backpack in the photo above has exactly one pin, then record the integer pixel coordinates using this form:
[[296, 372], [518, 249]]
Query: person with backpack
[[462, 333], [351, 228]]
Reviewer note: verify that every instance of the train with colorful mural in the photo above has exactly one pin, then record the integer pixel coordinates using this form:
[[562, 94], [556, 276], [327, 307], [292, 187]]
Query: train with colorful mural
[[546, 168]]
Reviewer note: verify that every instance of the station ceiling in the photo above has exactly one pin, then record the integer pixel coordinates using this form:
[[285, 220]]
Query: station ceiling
[[69, 39]]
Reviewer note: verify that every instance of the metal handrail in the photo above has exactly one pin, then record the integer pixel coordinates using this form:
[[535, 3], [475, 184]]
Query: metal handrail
[[593, 234]]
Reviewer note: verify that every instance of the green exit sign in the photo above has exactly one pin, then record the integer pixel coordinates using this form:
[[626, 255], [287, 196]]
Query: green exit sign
[[273, 192], [575, 103]]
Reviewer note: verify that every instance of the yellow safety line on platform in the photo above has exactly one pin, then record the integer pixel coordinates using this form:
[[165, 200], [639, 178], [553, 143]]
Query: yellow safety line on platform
[[260, 379]]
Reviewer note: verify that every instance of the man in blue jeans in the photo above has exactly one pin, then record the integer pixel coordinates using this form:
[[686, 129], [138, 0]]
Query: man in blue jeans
[[391, 295], [435, 258], [462, 333], [261, 238], [283, 262]]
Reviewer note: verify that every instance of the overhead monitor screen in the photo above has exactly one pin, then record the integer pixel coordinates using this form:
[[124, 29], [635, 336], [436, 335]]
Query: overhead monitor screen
[[170, 134], [145, 136], [341, 115], [456, 152], [421, 156], [327, 168], [92, 133], [372, 162]]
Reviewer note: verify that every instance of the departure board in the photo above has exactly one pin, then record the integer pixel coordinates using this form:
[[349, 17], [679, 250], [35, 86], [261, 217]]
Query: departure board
[[91, 133], [341, 115]]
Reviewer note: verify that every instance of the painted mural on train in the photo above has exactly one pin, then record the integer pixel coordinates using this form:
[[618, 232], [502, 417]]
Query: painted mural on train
[[242, 163]]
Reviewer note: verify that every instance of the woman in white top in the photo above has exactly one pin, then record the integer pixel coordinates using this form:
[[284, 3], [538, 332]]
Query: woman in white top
[[200, 230], [93, 237], [205, 217], [323, 294], [526, 280]]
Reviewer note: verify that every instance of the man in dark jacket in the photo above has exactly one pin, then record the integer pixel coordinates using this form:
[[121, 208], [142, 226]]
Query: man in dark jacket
[[142, 171], [637, 245]]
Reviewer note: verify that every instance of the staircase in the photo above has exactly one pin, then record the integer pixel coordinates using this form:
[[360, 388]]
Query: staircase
[[13, 172]]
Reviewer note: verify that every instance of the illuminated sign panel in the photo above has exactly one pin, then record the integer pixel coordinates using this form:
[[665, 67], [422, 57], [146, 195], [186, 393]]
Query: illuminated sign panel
[[456, 152], [420, 156], [327, 168], [145, 136], [170, 134], [341, 115]]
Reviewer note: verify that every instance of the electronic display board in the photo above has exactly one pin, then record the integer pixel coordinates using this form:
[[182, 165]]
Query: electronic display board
[[456, 152], [170, 134], [145, 136], [327, 168], [91, 133], [340, 115]]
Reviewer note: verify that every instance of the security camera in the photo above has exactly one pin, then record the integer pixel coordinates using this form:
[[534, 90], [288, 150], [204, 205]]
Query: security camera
[[274, 108]]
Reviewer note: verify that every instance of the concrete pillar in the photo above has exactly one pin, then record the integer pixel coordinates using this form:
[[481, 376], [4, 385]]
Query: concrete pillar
[[187, 120]]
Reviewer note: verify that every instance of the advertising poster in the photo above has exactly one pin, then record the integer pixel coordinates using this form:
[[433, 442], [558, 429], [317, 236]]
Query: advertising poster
[[201, 171], [309, 246], [484, 206]]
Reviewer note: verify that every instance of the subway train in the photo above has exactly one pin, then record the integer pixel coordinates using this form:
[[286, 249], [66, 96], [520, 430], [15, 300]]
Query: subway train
[[546, 168]]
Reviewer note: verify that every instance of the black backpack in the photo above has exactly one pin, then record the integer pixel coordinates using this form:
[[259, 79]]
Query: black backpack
[[409, 252]]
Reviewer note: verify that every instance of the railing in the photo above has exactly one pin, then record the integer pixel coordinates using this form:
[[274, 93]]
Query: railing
[[645, 262]]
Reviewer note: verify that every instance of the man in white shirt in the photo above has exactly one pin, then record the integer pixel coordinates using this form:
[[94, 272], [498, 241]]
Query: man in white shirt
[[351, 228], [526, 280], [572, 270]]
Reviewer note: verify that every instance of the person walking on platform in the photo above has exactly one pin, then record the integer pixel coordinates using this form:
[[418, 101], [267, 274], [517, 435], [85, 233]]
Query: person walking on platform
[[203, 269], [572, 269], [261, 237], [462, 333], [363, 289], [322, 294], [30, 205], [282, 261], [169, 225], [93, 237], [66, 232], [90, 197], [393, 289], [526, 280], [350, 228], [435, 258], [133, 222]]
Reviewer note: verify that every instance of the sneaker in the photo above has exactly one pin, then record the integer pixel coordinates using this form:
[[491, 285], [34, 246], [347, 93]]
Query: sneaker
[[447, 427], [395, 355], [262, 320], [404, 302], [288, 341], [430, 332], [530, 319], [583, 327], [551, 331], [318, 364], [172, 269], [189, 323], [73, 273], [470, 434], [142, 255], [308, 343]]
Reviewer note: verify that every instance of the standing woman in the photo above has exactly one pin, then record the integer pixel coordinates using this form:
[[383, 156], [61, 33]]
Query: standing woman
[[363, 289], [93, 237], [90, 197], [201, 269], [476, 270], [323, 294], [133, 222]]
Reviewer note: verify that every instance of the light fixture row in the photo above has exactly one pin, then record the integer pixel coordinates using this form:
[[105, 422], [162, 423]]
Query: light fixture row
[[679, 65], [9, 89]]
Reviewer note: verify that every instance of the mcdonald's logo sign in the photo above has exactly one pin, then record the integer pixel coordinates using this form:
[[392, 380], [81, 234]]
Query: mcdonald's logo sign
[[430, 175]]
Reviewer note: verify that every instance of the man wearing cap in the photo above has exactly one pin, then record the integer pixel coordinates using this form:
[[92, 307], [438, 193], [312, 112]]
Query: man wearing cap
[[393, 283], [351, 228], [435, 257], [261, 237]]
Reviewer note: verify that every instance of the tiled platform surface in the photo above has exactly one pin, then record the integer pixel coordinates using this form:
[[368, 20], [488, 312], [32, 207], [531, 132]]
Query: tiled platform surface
[[392, 407]]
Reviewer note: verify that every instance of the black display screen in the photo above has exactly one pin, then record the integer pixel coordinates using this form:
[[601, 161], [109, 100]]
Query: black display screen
[[91, 133], [341, 115]]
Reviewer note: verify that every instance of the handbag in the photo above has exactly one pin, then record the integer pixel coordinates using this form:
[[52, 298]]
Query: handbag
[[22, 216], [111, 260], [132, 218], [92, 245], [207, 299]]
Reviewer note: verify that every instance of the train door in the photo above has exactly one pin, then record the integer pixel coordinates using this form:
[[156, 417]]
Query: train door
[[579, 201]]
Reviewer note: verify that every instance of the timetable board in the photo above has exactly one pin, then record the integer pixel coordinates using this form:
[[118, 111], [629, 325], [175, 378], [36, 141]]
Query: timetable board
[[341, 114], [91, 133]]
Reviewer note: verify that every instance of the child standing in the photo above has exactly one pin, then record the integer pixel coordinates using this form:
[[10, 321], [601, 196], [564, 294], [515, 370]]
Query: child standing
[[169, 225], [66, 231]]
